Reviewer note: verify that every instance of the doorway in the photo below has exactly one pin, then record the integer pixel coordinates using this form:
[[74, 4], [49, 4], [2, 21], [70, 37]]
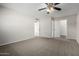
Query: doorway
[[59, 28], [36, 27]]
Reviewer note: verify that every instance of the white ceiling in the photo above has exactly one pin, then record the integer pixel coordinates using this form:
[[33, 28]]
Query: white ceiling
[[32, 9]]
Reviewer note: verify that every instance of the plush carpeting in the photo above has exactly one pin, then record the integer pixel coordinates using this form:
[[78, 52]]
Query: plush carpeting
[[40, 46]]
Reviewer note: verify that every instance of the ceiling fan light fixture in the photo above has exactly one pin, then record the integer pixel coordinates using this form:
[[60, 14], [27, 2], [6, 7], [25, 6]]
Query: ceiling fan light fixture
[[50, 9]]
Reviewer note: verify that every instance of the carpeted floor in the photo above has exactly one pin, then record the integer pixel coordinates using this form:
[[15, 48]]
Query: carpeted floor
[[40, 46]]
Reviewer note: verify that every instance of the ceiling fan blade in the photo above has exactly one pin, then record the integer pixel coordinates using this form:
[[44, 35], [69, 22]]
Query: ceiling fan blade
[[41, 9], [56, 3], [46, 3], [59, 9]]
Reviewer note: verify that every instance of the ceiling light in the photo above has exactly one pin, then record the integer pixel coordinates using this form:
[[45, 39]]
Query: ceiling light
[[50, 9]]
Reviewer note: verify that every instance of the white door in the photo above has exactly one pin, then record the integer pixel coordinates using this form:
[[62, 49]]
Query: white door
[[36, 28]]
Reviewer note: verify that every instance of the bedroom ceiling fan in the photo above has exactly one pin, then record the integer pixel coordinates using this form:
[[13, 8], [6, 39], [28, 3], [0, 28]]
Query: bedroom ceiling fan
[[51, 7]]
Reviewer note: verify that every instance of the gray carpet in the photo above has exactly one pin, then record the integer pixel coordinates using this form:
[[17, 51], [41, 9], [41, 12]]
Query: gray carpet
[[40, 46]]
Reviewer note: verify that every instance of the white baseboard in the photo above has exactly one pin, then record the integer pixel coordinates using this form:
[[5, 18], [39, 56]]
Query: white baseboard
[[16, 41]]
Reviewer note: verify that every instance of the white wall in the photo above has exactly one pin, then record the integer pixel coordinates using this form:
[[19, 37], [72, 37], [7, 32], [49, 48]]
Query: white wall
[[45, 27], [63, 27], [14, 26], [71, 24], [55, 28], [77, 31]]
